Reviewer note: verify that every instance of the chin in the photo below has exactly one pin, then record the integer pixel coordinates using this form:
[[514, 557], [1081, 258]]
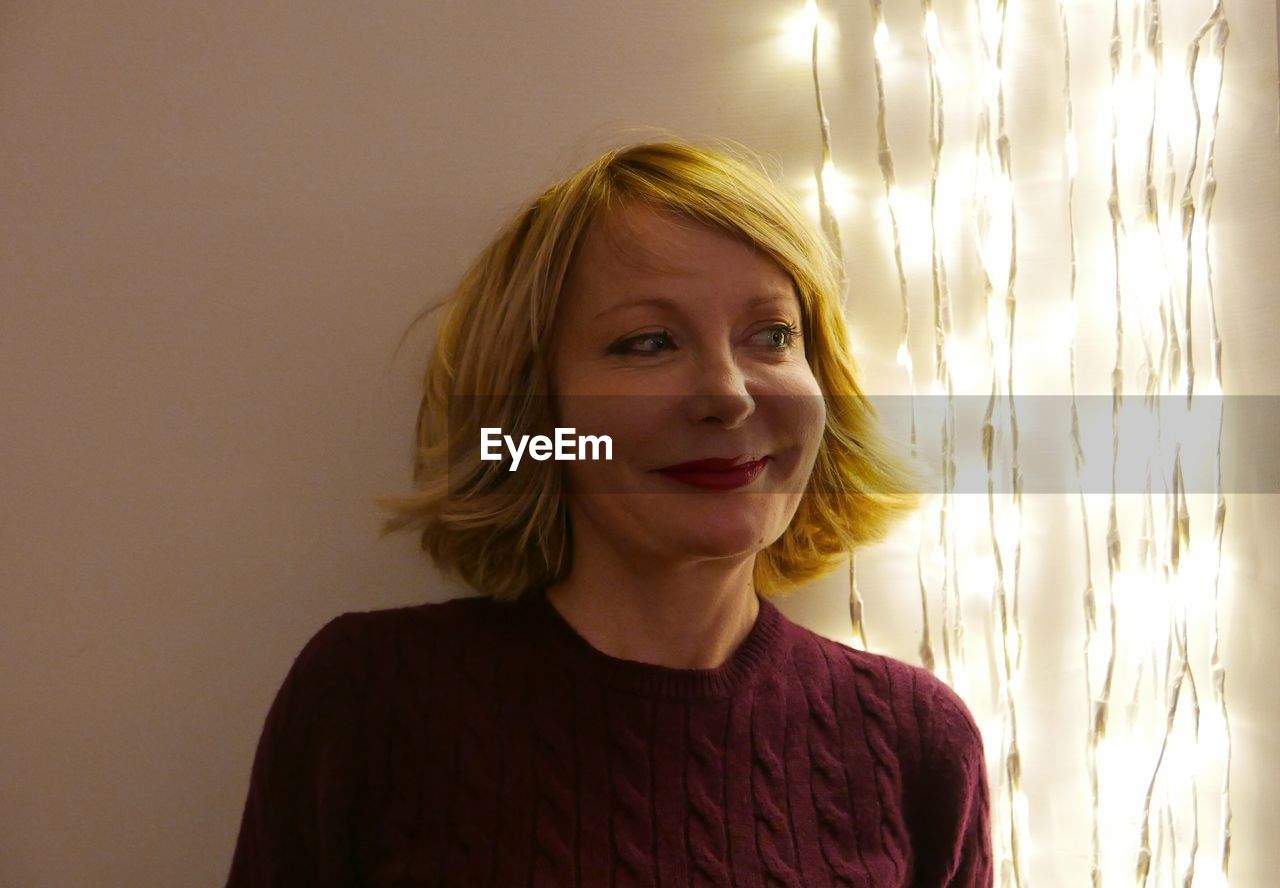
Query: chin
[[719, 535]]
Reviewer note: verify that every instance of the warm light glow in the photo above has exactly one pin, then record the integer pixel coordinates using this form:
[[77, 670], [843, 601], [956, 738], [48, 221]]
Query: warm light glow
[[838, 188], [1062, 324], [1208, 78], [1008, 525], [989, 18], [1153, 564], [931, 35], [995, 245], [991, 80], [996, 317], [797, 32], [881, 40]]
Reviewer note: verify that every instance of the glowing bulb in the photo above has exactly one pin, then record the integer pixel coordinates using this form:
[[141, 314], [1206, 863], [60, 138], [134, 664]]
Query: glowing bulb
[[904, 357], [1024, 825], [1002, 357], [797, 31], [959, 364], [837, 188], [996, 317], [1015, 653], [881, 39], [895, 198], [1008, 524], [1208, 78], [931, 35], [989, 17], [1146, 264], [991, 83], [1213, 743]]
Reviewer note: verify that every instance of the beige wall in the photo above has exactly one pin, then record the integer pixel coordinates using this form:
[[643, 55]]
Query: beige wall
[[218, 219]]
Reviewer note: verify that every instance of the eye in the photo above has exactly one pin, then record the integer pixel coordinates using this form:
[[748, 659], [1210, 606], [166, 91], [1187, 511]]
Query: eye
[[780, 336], [630, 345]]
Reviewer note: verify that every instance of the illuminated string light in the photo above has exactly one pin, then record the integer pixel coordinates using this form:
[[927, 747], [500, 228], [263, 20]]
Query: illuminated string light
[[1164, 704], [1215, 28], [1101, 703], [1088, 595], [891, 192], [1151, 749], [881, 46], [826, 178], [997, 248], [796, 37], [944, 358], [827, 185]]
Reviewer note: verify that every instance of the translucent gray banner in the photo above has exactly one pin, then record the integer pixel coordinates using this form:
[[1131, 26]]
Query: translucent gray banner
[[1126, 448]]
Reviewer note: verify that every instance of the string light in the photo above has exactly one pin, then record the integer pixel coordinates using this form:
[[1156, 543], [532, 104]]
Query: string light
[[1156, 723], [796, 38], [830, 190]]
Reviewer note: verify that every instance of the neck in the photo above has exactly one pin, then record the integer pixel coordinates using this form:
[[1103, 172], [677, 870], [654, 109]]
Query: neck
[[690, 616]]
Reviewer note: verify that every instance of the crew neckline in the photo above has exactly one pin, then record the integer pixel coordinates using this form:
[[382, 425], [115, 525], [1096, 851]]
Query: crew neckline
[[758, 647]]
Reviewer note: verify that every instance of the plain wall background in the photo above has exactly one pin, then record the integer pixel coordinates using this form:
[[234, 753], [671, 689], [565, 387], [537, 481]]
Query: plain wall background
[[219, 218]]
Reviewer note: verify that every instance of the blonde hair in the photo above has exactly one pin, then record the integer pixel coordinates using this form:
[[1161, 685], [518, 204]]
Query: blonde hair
[[504, 532]]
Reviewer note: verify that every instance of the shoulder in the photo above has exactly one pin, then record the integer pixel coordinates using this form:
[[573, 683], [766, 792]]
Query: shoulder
[[353, 647], [363, 628], [928, 717], [890, 680]]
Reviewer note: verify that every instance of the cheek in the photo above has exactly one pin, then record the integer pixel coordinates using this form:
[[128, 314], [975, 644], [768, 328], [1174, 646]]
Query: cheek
[[638, 425], [807, 419], [816, 416], [803, 407]]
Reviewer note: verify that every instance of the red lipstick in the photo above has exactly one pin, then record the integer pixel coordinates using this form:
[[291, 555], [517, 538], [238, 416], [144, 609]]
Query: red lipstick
[[716, 474]]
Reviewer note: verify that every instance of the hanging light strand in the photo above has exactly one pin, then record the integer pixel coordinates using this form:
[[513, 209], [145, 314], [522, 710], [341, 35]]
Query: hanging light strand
[[1101, 704], [1216, 30], [824, 177], [1175, 675], [826, 181], [997, 249], [942, 331], [885, 157], [1088, 598]]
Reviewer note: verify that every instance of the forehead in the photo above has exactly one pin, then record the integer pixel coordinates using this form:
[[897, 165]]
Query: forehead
[[631, 248]]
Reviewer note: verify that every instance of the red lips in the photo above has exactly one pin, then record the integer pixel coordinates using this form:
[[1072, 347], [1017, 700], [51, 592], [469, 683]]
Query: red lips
[[719, 464], [716, 474]]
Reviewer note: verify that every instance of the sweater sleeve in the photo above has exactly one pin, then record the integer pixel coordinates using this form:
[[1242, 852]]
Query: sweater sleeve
[[953, 828], [298, 823]]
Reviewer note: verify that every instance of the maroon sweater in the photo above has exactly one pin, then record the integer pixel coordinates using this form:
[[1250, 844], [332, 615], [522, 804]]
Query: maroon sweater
[[476, 742]]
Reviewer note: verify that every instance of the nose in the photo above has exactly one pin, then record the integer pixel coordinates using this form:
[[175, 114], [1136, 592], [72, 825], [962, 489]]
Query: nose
[[721, 393]]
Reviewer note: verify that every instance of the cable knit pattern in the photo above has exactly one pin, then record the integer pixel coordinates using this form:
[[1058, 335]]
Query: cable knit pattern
[[879, 732], [705, 836], [768, 791], [630, 817], [475, 809], [827, 777], [483, 743], [555, 778]]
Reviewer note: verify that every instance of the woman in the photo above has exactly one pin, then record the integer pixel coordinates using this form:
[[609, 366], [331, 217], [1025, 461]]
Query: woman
[[623, 705]]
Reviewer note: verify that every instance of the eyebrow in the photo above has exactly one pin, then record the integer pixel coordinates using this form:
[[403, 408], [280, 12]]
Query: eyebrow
[[663, 302]]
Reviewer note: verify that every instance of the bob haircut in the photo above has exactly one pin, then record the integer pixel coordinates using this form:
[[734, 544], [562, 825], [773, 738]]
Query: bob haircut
[[505, 532]]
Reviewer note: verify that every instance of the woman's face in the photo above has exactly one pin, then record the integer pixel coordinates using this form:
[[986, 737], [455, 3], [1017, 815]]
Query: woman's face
[[674, 342]]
